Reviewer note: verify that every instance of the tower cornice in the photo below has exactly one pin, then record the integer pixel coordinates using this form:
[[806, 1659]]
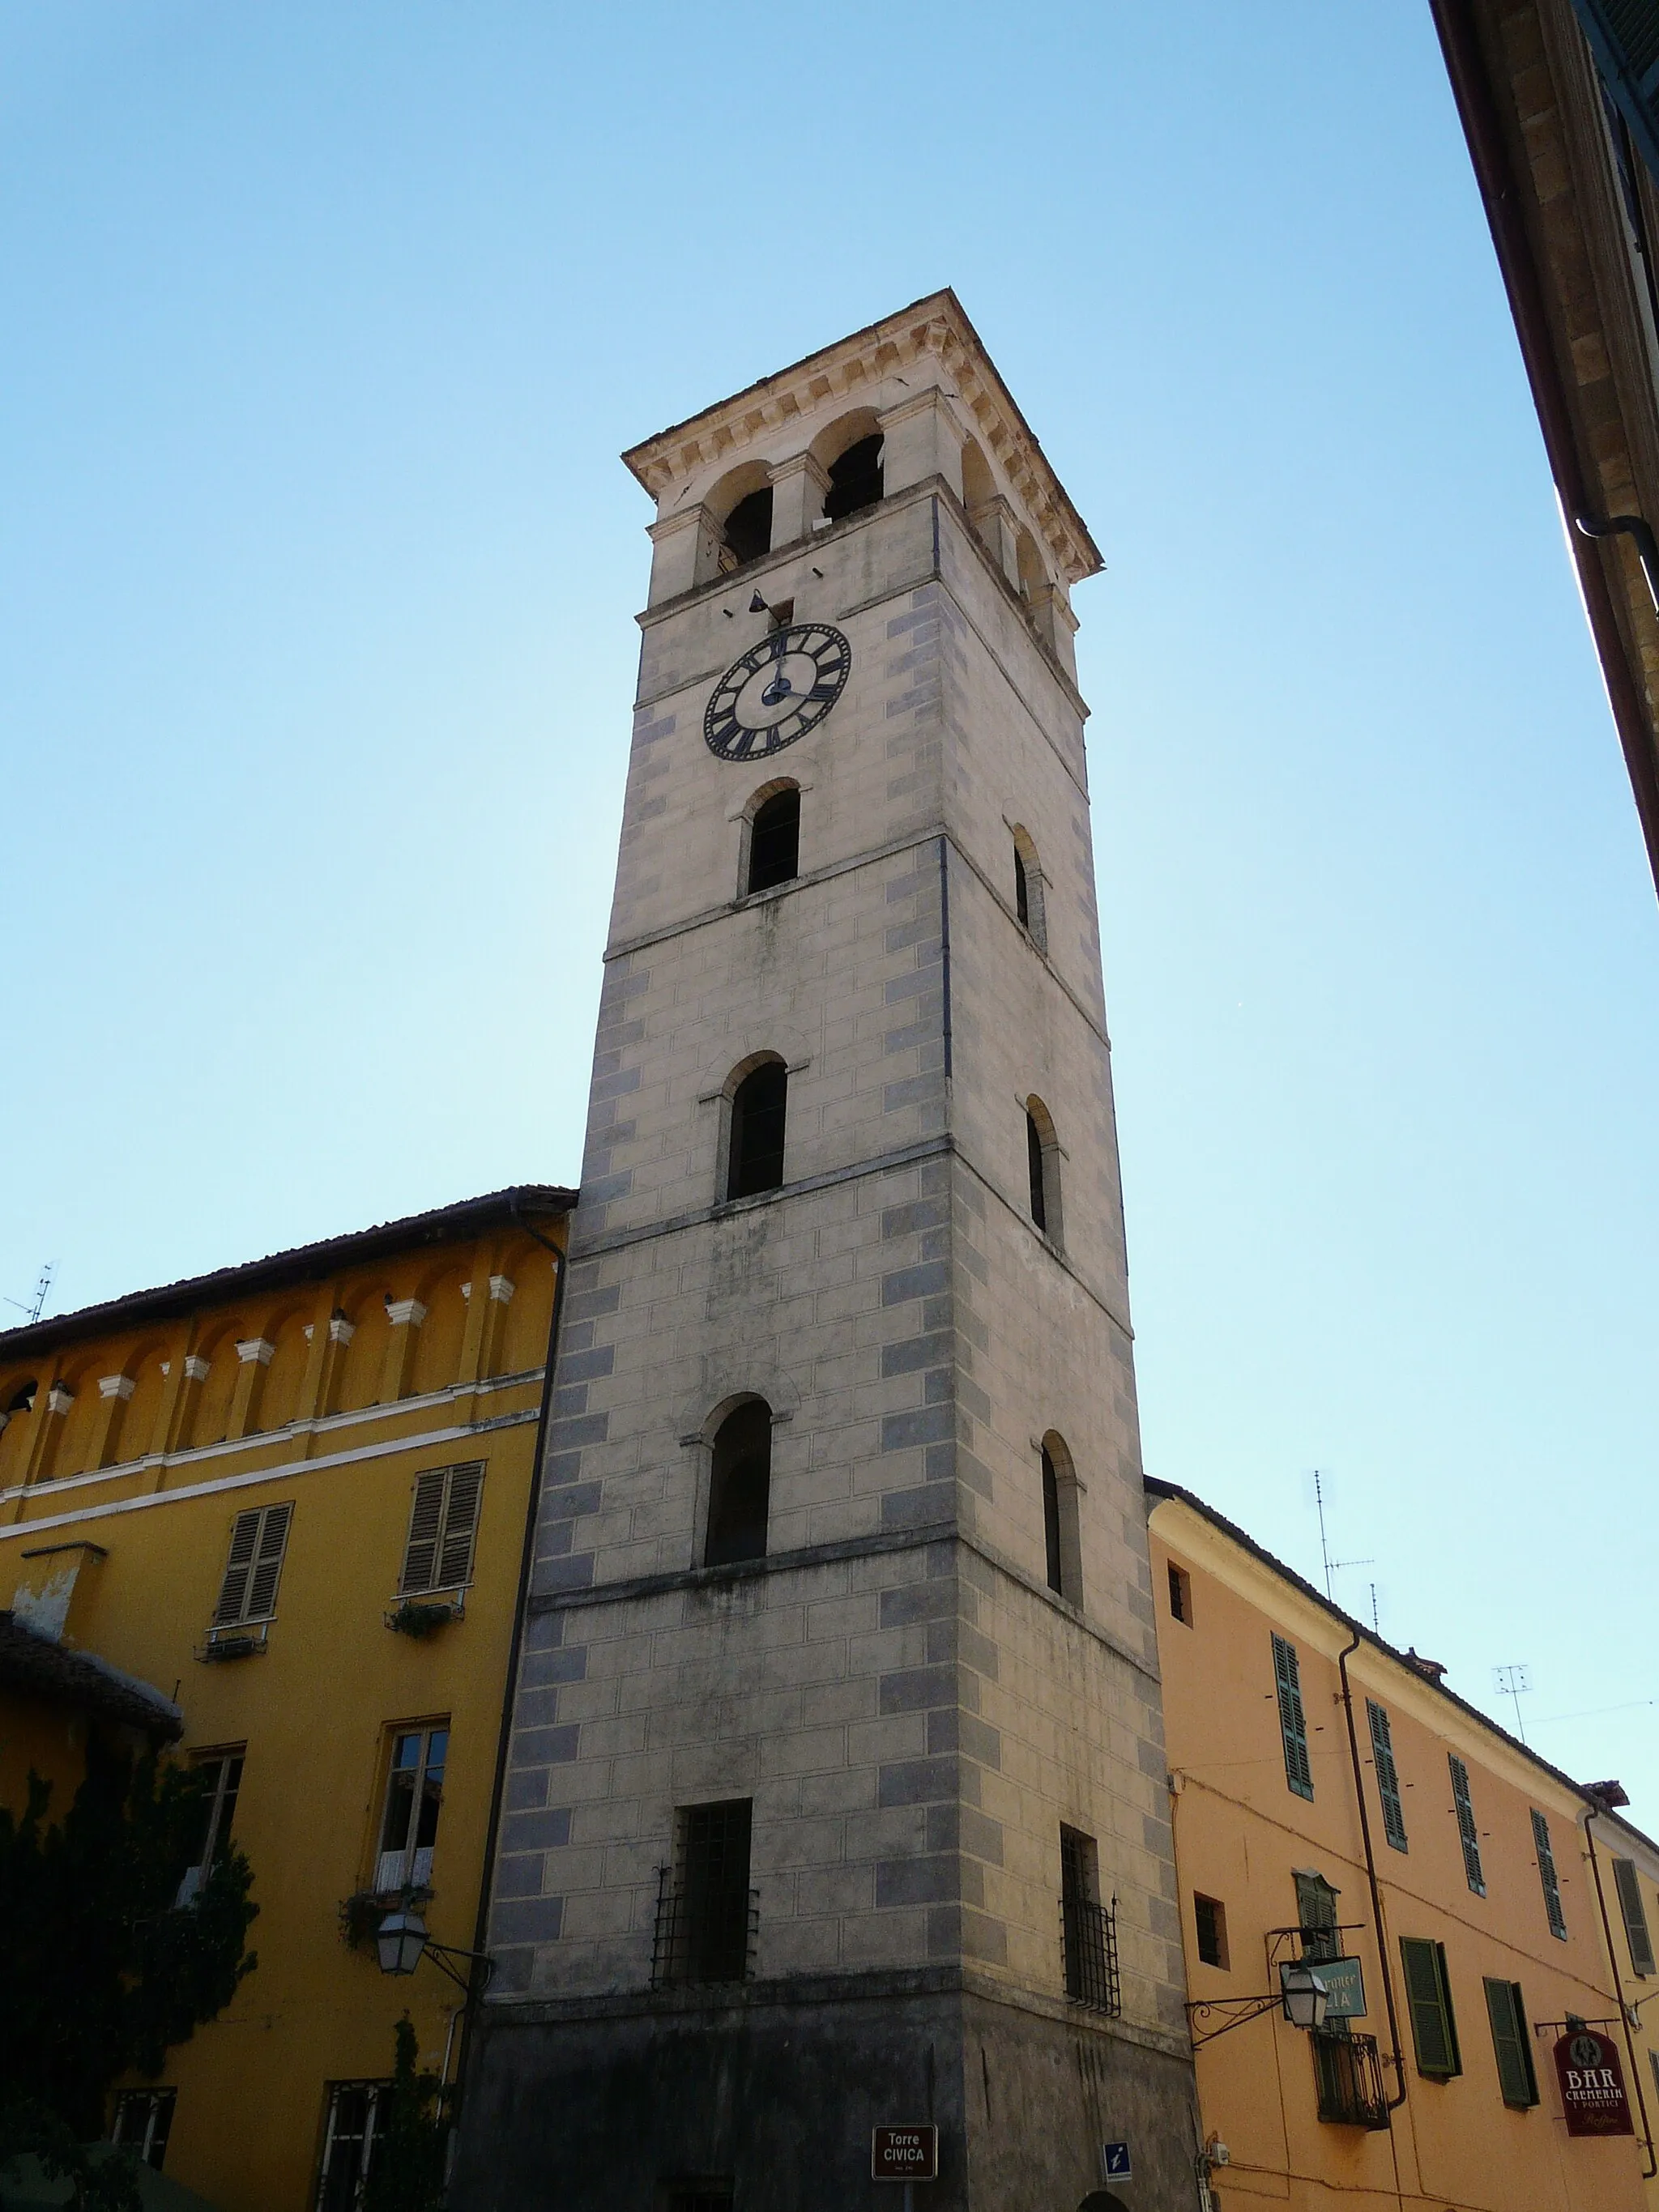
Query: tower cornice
[[935, 328]]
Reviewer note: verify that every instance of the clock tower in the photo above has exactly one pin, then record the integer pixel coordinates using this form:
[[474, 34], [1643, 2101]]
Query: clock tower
[[836, 1796]]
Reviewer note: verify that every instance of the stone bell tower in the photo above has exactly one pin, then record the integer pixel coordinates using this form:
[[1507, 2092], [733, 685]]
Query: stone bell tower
[[835, 1794]]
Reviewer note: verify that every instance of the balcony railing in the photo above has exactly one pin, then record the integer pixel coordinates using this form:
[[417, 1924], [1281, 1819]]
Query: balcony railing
[[1349, 2072], [706, 1931], [1087, 1935]]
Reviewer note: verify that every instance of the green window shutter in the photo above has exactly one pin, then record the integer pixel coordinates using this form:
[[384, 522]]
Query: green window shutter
[[1466, 1827], [1292, 1720], [1508, 2014], [1636, 1918], [1624, 37], [1387, 1775], [1316, 1912], [1428, 1997], [1540, 1838]]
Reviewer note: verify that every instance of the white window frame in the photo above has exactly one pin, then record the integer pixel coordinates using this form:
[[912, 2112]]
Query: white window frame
[[410, 1865]]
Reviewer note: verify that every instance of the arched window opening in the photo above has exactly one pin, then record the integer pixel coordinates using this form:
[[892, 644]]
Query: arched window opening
[[1022, 889], [775, 840], [749, 529], [1051, 1523], [1062, 1541], [1035, 1166], [22, 1399], [758, 1110], [854, 479], [1042, 1170], [1029, 889], [740, 1485]]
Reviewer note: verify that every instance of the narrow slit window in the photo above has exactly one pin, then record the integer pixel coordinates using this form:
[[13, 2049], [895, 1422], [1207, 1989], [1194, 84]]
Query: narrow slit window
[[1627, 1882], [775, 842], [1467, 1834], [1387, 1775], [759, 1109], [1052, 1566], [740, 1486], [1022, 889], [1034, 1165], [1293, 1720], [414, 1799]]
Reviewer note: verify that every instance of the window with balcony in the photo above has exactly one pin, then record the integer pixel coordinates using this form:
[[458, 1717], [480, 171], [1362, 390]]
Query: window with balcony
[[1348, 2072]]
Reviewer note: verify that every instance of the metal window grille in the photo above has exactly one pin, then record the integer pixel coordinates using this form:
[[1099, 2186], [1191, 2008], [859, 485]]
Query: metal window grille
[[707, 1916], [1349, 2074], [1467, 1833], [1088, 1928], [349, 2143], [1387, 1775], [1547, 1875], [143, 2121]]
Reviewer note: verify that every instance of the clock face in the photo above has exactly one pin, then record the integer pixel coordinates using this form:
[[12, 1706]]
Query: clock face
[[779, 690]]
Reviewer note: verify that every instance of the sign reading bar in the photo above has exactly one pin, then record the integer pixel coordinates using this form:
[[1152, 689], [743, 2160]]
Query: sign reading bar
[[1592, 2084], [904, 2153]]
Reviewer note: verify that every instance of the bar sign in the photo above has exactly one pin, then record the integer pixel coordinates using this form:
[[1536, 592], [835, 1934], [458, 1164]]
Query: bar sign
[[904, 2153]]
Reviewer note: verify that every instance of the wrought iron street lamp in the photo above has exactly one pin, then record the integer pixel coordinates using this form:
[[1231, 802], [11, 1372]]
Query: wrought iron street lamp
[[1306, 1996], [402, 1941]]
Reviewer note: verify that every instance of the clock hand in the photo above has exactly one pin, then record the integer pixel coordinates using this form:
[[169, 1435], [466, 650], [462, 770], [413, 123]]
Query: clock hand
[[780, 688]]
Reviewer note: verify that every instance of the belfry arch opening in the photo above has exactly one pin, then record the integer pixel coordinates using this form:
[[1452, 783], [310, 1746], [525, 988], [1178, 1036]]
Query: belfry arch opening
[[754, 1145], [742, 504], [739, 1486]]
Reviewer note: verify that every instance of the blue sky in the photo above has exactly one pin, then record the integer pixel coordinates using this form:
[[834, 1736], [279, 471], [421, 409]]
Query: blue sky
[[325, 328]]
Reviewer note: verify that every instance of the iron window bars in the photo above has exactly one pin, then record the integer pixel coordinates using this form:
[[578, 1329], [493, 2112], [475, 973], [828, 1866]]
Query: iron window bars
[[1349, 2074]]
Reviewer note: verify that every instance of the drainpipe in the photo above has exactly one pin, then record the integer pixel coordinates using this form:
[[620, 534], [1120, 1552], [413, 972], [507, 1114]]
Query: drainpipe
[[1395, 2103], [526, 1561], [1618, 1991]]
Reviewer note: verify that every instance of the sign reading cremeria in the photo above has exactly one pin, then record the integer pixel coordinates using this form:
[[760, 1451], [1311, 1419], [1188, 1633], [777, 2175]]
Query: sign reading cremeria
[[1592, 2084]]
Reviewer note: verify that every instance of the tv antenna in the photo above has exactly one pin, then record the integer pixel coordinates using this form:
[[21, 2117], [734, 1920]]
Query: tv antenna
[[1513, 1683], [1335, 1566], [38, 1306]]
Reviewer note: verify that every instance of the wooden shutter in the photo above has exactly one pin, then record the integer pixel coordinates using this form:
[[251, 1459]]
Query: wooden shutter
[[426, 1521], [233, 1591], [1316, 1912], [268, 1562], [1292, 1720], [1540, 1838], [1434, 2031], [460, 1526], [1624, 37], [1387, 1775], [1508, 2014], [1467, 1830], [1636, 1918]]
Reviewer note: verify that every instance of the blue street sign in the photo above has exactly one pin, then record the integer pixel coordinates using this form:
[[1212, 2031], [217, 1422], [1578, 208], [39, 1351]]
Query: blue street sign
[[1114, 2161]]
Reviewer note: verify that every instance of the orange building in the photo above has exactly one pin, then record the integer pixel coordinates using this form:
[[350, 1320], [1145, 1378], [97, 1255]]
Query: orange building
[[279, 1516], [1335, 1805]]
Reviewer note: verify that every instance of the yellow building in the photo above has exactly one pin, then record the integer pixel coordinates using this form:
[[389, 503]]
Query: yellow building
[[1332, 1801], [292, 1498]]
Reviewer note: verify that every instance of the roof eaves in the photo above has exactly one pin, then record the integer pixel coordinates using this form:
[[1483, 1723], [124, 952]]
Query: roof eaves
[[301, 1263], [1245, 1543]]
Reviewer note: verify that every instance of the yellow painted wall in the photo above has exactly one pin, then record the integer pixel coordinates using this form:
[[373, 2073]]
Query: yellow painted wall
[[159, 1488], [1240, 1834]]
